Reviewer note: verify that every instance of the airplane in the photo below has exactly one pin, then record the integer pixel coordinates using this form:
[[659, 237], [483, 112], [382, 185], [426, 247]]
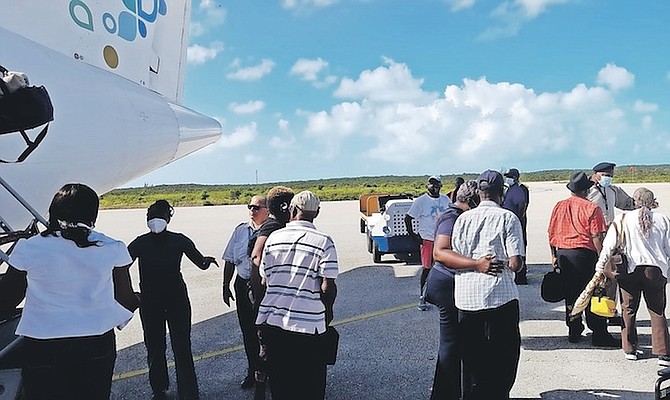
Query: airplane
[[114, 71]]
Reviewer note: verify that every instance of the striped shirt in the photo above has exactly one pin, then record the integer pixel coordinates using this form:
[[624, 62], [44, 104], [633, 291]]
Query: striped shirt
[[295, 259], [486, 230]]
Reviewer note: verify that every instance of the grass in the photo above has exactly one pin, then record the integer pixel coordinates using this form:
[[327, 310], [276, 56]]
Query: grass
[[339, 188]]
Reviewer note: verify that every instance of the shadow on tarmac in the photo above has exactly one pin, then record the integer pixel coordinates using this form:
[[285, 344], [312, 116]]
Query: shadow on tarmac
[[387, 347]]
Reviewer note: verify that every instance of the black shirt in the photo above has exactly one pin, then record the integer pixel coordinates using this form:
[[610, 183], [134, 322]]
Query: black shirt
[[160, 257], [270, 225]]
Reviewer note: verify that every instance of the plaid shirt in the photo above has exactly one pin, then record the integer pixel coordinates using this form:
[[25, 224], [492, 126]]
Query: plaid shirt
[[573, 223], [486, 230]]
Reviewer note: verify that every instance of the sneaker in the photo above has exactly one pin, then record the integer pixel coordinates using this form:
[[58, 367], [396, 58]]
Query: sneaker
[[664, 361], [631, 356], [423, 306]]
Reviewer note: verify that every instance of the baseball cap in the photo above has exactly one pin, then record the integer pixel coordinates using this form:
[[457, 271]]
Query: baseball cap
[[512, 173], [435, 178], [306, 201], [490, 180]]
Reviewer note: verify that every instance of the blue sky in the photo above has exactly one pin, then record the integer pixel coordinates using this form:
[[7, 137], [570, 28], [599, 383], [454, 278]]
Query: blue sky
[[310, 89]]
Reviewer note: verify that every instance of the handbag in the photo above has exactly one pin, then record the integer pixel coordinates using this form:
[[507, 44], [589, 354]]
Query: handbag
[[551, 289], [330, 343], [23, 107], [602, 305]]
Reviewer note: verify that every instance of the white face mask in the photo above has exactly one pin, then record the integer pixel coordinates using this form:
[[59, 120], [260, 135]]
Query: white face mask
[[157, 225], [605, 181], [509, 181]]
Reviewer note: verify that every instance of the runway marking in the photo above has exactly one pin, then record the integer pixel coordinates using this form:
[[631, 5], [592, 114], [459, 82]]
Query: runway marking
[[217, 353]]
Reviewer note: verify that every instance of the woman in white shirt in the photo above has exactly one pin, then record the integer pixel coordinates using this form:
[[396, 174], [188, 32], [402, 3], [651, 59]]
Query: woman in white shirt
[[646, 241], [74, 277]]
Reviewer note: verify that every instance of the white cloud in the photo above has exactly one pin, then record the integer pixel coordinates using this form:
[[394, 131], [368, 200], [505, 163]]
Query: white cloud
[[615, 77], [252, 73], [241, 136], [294, 4], [644, 107], [198, 54], [474, 121], [247, 108], [208, 15], [647, 122], [310, 70], [512, 15], [283, 125], [391, 83], [458, 5]]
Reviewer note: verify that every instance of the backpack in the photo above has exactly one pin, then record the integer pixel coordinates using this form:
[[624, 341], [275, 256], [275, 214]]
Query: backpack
[[23, 107]]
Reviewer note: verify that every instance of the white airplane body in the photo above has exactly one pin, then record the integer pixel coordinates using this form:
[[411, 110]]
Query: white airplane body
[[114, 70]]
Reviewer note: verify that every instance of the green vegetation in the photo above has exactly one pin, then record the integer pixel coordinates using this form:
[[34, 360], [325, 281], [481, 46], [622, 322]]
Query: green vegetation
[[338, 188]]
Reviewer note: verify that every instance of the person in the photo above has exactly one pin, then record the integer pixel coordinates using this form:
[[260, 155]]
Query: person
[[454, 193], [576, 227], [606, 195], [426, 208], [78, 290], [236, 259], [485, 293], [646, 240], [278, 201], [165, 300], [300, 266], [440, 292], [516, 199]]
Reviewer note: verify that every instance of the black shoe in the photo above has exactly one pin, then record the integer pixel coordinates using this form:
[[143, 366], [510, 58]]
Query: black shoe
[[521, 281], [605, 340], [575, 334], [248, 382], [159, 395]]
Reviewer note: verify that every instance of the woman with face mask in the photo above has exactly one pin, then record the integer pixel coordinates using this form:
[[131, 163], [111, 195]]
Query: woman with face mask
[[78, 290], [165, 300]]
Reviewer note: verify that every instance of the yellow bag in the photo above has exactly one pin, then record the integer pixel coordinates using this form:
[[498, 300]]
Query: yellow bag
[[603, 306]]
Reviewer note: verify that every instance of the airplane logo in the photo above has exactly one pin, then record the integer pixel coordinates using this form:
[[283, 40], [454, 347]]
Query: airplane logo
[[127, 24]]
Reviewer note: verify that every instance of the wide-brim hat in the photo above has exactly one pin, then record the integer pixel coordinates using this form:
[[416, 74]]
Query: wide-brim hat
[[579, 182]]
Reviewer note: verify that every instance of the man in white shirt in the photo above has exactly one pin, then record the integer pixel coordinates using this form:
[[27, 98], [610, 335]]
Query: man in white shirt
[[236, 258], [299, 265], [606, 195], [426, 208]]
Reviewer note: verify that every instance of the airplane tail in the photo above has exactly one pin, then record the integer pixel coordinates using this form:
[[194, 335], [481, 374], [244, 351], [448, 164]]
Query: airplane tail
[[144, 41]]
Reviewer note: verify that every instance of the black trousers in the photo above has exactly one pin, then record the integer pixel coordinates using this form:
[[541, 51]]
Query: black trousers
[[246, 315], [296, 366], [175, 310], [491, 347], [577, 268], [70, 368], [440, 291]]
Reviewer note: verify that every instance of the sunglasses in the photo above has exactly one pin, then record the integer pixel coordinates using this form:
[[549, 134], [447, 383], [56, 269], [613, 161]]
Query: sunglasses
[[254, 207]]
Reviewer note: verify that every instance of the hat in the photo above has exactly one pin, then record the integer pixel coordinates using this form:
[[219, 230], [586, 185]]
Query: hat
[[435, 178], [490, 180], [306, 201], [644, 198], [467, 191], [579, 182], [512, 173], [604, 167]]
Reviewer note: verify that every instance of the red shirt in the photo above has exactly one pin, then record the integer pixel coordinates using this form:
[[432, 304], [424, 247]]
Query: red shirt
[[574, 221]]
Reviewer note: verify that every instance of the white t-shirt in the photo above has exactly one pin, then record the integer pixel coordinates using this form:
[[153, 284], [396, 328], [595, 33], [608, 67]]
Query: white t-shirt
[[427, 210], [70, 289], [236, 250]]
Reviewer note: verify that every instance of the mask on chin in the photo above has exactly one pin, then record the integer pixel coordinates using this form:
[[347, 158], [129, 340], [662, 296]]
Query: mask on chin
[[157, 225], [605, 181]]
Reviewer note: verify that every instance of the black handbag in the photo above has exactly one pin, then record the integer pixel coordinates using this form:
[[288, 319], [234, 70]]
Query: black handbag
[[23, 109], [330, 343], [551, 289]]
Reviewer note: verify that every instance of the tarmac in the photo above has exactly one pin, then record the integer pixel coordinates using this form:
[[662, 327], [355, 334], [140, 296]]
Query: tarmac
[[387, 347]]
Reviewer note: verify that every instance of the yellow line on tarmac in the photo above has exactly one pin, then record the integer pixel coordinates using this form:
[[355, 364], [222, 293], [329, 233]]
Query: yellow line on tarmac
[[217, 353]]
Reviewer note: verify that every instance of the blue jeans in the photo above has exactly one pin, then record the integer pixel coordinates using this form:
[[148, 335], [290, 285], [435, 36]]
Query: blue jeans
[[440, 291], [70, 368]]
